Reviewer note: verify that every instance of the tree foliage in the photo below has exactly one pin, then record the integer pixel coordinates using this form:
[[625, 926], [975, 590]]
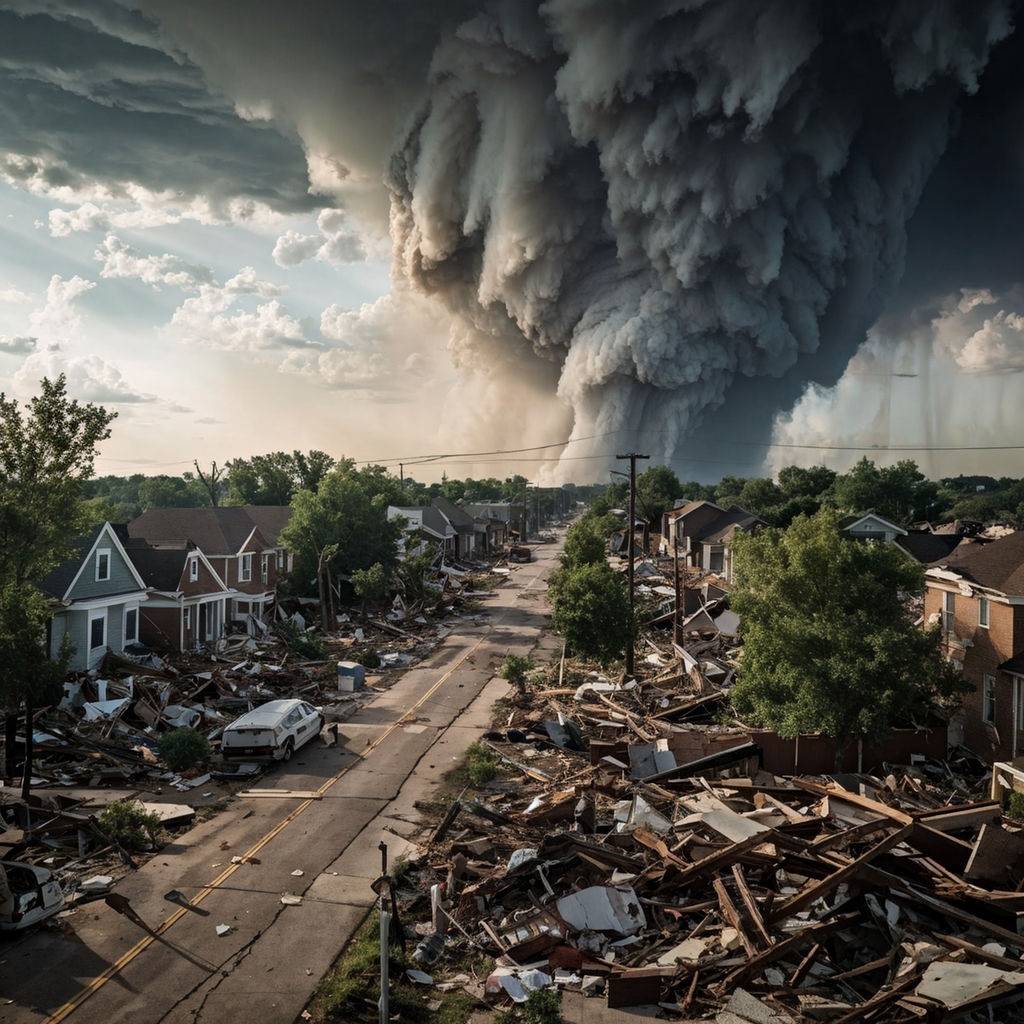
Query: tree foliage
[[656, 489], [584, 543], [590, 608], [273, 478], [371, 584], [47, 452], [346, 518], [828, 642], [26, 672]]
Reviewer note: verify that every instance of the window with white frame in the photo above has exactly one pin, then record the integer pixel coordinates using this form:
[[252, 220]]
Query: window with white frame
[[193, 569], [98, 630], [131, 624], [280, 559], [948, 611], [264, 568], [102, 564], [989, 697], [983, 612], [188, 618], [245, 567]]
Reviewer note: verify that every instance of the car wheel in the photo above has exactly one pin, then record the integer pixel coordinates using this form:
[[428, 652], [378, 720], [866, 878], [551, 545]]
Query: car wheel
[[289, 749]]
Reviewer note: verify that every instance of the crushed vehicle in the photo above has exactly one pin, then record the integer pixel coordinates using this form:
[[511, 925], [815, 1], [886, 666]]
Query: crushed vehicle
[[519, 553], [29, 895], [273, 731]]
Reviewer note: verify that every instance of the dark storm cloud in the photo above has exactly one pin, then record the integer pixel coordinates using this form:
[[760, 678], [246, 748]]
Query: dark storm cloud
[[89, 93]]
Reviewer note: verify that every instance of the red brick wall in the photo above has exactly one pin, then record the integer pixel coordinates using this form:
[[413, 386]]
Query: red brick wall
[[255, 585], [990, 647], [206, 584]]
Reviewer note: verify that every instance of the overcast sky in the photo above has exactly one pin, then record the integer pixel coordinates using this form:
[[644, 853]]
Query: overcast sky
[[404, 227]]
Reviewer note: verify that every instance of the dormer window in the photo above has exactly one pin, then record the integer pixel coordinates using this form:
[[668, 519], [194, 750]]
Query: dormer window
[[102, 565]]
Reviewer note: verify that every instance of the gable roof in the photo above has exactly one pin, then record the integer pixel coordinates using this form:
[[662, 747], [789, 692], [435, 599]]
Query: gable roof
[[998, 565], [848, 522], [725, 525], [459, 518], [681, 511], [217, 531], [59, 582], [431, 518], [929, 547], [270, 520]]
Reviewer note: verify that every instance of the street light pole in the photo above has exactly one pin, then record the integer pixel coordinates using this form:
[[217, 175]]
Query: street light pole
[[632, 456]]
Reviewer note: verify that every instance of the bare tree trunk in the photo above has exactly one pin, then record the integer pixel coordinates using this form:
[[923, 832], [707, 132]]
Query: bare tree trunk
[[10, 740], [210, 482], [26, 778]]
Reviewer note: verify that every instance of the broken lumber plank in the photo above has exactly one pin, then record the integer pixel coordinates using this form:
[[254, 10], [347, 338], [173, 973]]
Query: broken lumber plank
[[813, 933], [950, 852], [800, 972], [992, 959], [950, 819], [751, 904], [837, 792], [818, 889], [722, 858], [732, 915], [880, 999]]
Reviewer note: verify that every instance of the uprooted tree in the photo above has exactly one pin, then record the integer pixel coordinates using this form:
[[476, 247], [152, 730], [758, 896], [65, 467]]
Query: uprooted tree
[[829, 644], [47, 452]]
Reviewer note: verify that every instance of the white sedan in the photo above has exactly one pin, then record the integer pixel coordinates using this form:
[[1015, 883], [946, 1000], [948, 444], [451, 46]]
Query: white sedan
[[271, 732], [28, 894]]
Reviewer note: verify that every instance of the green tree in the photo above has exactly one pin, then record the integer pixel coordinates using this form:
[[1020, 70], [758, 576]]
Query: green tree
[[261, 480], [590, 608], [584, 545], [805, 482], [164, 491], [371, 584], [46, 457], [28, 676], [337, 529], [310, 468], [656, 489], [760, 494], [829, 644]]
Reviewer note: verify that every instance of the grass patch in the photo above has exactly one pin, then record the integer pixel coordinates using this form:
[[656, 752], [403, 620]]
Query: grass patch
[[481, 764], [541, 1007], [349, 994]]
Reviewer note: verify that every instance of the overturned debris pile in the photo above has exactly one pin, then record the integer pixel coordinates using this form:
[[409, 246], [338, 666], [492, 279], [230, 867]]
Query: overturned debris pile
[[729, 894]]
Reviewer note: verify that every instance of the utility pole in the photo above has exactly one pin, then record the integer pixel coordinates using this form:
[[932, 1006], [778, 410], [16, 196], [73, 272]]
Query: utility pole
[[383, 1009], [401, 479], [675, 551], [632, 456]]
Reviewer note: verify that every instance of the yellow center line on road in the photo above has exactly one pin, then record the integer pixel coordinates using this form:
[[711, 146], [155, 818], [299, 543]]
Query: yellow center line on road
[[126, 958]]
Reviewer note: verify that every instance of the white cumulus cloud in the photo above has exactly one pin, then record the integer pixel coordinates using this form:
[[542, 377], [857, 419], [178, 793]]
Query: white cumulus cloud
[[335, 243]]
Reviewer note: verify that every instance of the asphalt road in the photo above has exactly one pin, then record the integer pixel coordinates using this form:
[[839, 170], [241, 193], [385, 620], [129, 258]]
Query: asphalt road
[[395, 750]]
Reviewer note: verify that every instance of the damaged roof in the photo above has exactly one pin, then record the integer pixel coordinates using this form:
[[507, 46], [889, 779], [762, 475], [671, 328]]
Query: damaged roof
[[217, 531], [929, 547], [998, 565]]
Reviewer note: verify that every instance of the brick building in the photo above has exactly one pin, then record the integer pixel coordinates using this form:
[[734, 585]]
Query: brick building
[[977, 595]]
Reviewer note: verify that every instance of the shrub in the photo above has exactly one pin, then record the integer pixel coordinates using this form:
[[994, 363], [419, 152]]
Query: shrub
[[481, 764], [183, 748], [1015, 806], [301, 642], [590, 608], [368, 658], [584, 544], [515, 669], [129, 824], [371, 585]]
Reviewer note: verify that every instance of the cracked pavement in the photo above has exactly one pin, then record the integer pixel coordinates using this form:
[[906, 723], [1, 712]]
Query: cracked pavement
[[271, 963]]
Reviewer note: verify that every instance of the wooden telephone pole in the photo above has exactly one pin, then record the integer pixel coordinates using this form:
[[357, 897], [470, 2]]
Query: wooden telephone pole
[[631, 535], [675, 551]]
